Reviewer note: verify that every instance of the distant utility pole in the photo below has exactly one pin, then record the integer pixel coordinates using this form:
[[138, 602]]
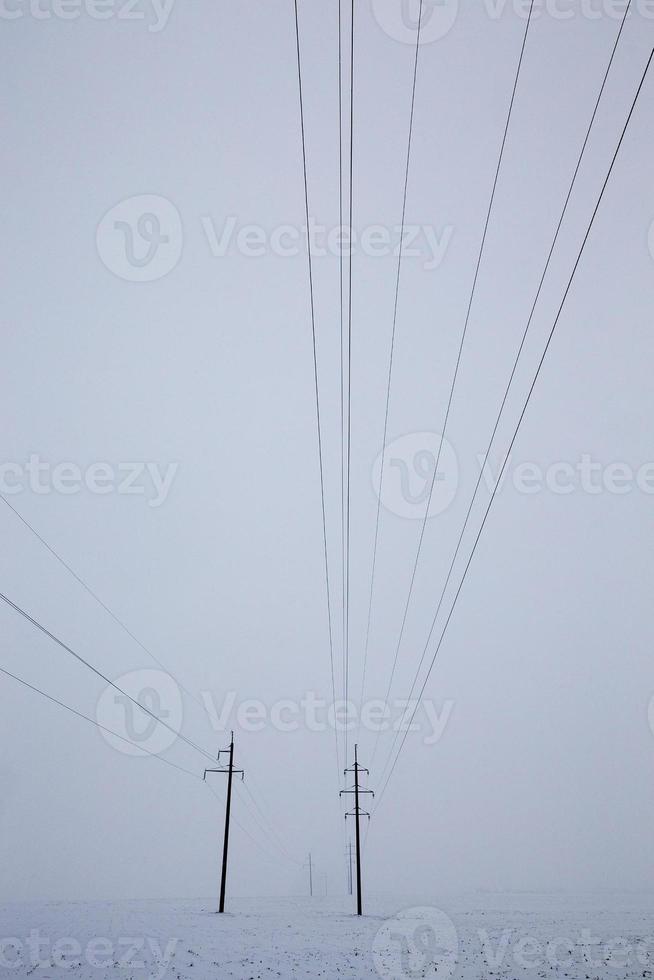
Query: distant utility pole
[[229, 769], [310, 875], [358, 812]]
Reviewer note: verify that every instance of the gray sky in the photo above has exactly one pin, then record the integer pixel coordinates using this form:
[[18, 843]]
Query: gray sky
[[542, 776]]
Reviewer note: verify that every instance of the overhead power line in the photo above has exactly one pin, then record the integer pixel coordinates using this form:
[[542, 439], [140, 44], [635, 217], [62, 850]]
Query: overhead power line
[[349, 382], [98, 673], [498, 483], [96, 724], [516, 361], [341, 278], [78, 578], [460, 353], [389, 379], [315, 362], [268, 854], [78, 714], [268, 829]]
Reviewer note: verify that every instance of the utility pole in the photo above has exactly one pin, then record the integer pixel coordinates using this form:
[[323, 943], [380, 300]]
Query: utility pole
[[357, 791], [229, 769], [310, 876]]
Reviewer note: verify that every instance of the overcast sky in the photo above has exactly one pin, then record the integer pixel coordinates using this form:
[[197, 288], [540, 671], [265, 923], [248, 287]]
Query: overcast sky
[[543, 775]]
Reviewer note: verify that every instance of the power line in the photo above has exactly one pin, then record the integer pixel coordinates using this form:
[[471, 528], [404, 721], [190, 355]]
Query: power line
[[459, 355], [269, 856], [522, 415], [266, 830], [96, 724], [392, 348], [99, 673], [349, 374], [154, 755], [342, 320], [517, 359], [96, 597], [315, 361], [271, 832], [262, 806]]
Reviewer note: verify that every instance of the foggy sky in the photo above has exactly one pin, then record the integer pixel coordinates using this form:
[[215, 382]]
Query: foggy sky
[[543, 776]]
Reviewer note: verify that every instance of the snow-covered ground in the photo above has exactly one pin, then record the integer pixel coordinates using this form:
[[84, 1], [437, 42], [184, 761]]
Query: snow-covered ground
[[473, 937]]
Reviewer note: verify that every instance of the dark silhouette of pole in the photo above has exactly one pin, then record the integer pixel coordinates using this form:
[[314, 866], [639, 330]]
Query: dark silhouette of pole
[[358, 832], [357, 791], [310, 877], [229, 769], [228, 810]]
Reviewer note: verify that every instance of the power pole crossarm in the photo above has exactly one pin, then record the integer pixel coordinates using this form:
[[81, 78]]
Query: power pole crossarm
[[229, 770]]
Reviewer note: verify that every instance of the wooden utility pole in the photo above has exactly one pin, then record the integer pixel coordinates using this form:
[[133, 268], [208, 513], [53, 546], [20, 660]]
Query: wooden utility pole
[[357, 791], [229, 770]]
